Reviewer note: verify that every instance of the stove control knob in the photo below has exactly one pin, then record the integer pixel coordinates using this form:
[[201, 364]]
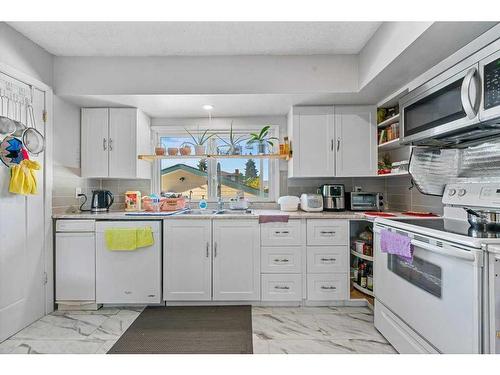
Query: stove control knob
[[452, 192], [461, 192]]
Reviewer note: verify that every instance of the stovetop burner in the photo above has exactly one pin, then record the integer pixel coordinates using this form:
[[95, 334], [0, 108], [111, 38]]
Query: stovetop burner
[[462, 228]]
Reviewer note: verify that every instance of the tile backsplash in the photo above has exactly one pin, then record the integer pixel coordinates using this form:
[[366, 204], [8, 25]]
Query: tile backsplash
[[66, 180], [397, 193]]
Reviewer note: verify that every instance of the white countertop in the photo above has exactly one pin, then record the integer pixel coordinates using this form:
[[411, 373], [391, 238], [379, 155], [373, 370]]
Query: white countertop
[[122, 215]]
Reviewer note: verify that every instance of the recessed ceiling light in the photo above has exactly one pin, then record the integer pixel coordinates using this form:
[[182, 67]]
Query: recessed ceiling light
[[208, 107]]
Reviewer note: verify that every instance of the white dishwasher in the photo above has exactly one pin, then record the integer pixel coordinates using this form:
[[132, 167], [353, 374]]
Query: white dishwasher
[[75, 262], [131, 277]]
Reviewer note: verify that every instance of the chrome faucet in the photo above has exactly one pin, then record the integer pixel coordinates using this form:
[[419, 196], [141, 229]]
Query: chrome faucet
[[220, 202]]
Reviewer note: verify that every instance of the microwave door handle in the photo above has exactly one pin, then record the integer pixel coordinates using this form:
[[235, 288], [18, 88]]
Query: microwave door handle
[[461, 254], [469, 109]]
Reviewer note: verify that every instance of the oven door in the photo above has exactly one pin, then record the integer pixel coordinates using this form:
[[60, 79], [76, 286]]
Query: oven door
[[442, 106], [489, 68], [438, 296]]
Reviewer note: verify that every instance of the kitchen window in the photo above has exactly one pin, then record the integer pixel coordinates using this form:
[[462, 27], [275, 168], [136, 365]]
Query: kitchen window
[[256, 178]]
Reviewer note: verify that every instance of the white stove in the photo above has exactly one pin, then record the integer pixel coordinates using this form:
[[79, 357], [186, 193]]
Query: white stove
[[444, 301]]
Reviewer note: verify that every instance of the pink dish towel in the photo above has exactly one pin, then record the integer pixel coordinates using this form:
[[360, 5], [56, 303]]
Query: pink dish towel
[[273, 219], [396, 244]]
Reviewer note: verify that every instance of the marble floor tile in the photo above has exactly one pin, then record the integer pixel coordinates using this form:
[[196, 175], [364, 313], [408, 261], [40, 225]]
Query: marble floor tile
[[293, 330], [372, 346], [308, 347], [55, 347]]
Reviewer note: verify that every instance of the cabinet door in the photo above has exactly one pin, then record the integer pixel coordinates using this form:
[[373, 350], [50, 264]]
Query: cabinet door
[[122, 142], [356, 141], [313, 142], [94, 142], [75, 267], [236, 260], [187, 260]]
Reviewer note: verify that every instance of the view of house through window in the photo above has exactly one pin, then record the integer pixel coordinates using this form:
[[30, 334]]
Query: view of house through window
[[199, 175]]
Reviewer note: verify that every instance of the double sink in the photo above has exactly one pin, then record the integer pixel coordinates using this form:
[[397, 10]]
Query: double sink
[[215, 212]]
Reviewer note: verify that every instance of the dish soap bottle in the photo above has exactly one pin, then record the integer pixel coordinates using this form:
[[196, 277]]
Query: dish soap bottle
[[203, 203]]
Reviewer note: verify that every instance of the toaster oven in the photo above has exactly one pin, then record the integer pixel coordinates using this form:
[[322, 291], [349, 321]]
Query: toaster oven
[[363, 201]]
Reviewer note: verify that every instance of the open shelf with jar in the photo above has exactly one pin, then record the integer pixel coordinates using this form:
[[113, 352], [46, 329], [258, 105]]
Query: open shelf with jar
[[392, 156], [361, 260]]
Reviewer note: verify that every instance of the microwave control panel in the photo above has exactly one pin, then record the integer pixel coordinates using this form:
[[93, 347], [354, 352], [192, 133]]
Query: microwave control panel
[[492, 84]]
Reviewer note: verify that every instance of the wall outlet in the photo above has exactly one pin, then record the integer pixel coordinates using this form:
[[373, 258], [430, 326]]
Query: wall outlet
[[78, 191]]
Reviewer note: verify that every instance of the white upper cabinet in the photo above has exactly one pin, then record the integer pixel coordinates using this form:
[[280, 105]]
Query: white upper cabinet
[[332, 141], [111, 140], [355, 141], [236, 260], [311, 131], [94, 142]]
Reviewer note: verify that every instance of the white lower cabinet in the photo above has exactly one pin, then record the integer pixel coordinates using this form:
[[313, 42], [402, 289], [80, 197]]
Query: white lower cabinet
[[236, 260], [187, 260], [281, 259], [206, 260], [327, 287], [281, 287], [327, 260]]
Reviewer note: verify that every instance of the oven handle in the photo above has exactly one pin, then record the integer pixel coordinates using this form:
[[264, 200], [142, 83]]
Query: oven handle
[[461, 254]]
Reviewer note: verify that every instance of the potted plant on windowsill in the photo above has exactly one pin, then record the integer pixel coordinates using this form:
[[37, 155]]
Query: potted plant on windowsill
[[233, 143], [199, 142], [262, 139]]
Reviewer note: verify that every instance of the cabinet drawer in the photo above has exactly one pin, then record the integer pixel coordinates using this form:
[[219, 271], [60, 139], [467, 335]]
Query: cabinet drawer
[[281, 287], [75, 225], [327, 232], [281, 259], [281, 234], [327, 259], [327, 287]]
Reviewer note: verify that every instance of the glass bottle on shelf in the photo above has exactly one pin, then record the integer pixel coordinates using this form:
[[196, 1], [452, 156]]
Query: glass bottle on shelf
[[369, 278], [363, 276]]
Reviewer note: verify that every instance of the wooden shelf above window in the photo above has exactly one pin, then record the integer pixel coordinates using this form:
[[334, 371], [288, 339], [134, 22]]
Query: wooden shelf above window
[[208, 156]]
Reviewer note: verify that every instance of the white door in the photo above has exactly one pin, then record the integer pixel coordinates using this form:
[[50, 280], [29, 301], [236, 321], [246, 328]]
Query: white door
[[128, 276], [236, 260], [22, 245], [313, 143], [122, 142], [94, 142], [355, 141], [187, 260]]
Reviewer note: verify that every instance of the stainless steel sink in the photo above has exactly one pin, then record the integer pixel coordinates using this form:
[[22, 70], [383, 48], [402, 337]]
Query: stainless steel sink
[[215, 212], [232, 212]]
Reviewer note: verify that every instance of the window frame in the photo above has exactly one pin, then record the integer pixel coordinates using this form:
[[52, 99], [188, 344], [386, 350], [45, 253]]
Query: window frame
[[177, 131]]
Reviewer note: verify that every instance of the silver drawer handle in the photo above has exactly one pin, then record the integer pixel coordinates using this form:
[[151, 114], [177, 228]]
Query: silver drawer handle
[[104, 144], [330, 233], [328, 259], [328, 287], [284, 260], [207, 255], [281, 232], [281, 287], [110, 144]]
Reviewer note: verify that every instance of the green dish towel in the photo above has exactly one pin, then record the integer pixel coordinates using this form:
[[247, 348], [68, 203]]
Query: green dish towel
[[128, 239]]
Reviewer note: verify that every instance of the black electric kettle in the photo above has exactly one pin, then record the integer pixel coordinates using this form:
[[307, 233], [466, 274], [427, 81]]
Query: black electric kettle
[[101, 200]]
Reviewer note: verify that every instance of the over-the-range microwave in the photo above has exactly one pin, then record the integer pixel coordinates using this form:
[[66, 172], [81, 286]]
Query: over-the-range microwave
[[460, 106]]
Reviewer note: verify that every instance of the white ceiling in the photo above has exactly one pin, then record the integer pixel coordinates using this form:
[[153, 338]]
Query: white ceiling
[[197, 38], [158, 106]]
